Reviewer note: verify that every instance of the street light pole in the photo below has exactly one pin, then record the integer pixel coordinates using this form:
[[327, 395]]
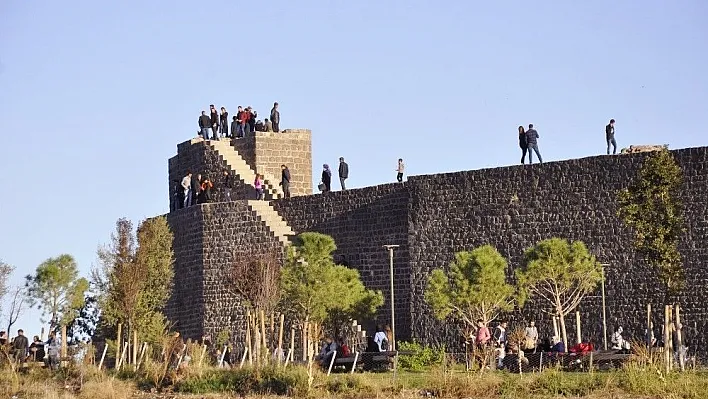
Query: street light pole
[[393, 314]]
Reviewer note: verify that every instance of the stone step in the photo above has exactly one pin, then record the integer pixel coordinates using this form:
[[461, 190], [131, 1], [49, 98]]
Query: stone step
[[239, 165], [270, 217]]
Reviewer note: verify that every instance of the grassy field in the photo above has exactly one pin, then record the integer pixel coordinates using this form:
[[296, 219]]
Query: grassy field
[[87, 382]]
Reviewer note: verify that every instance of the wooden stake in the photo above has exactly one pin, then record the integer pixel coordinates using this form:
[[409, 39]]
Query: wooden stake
[[119, 340], [667, 340], [249, 340], [679, 338], [671, 336], [577, 326], [263, 330], [135, 347], [201, 358], [649, 329], [280, 338], [291, 352], [64, 343], [122, 356], [143, 348], [305, 330], [272, 327], [103, 356]]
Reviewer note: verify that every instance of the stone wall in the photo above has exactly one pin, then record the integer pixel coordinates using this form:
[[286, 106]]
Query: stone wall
[[208, 239], [199, 158], [267, 151], [362, 221], [514, 207]]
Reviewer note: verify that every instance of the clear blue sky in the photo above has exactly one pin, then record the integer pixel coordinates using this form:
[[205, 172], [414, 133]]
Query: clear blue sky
[[94, 96]]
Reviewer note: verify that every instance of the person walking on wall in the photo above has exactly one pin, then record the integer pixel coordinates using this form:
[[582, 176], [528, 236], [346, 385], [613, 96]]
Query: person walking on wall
[[204, 125], [224, 123], [214, 121], [532, 143], [275, 117], [400, 169], [258, 184], [343, 172], [522, 144], [610, 137], [285, 180], [187, 186], [326, 184]]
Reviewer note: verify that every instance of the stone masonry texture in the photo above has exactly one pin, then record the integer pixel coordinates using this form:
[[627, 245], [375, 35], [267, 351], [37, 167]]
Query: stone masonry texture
[[265, 152], [431, 217]]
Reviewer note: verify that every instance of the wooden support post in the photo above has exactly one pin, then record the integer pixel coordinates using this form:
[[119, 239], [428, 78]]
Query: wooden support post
[[122, 356], [356, 357], [143, 348], [291, 352], [263, 331], [280, 338], [331, 364], [103, 356], [223, 354], [577, 327], [249, 340], [135, 347], [555, 327], [305, 329], [650, 331], [243, 358], [667, 340], [272, 327], [671, 335], [258, 349], [679, 338], [201, 358], [64, 344], [119, 341]]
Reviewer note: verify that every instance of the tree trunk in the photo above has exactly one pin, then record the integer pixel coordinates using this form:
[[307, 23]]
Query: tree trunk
[[565, 335]]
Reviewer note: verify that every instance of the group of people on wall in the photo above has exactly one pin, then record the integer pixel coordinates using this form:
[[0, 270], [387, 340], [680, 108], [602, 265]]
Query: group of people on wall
[[528, 141], [215, 125]]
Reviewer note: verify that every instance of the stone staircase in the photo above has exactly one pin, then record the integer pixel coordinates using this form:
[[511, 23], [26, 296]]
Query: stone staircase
[[268, 215], [263, 210], [243, 170]]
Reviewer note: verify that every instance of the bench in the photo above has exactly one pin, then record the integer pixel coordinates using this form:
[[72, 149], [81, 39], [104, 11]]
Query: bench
[[366, 361]]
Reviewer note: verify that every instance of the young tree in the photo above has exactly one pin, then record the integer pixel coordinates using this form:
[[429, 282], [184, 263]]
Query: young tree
[[255, 277], [135, 282], [651, 207], [16, 306], [560, 273], [473, 288], [57, 290], [5, 272], [314, 289]]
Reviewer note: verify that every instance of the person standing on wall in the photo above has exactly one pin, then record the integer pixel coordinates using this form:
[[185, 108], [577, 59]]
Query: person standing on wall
[[187, 186], [343, 172], [224, 123], [400, 168], [285, 180], [522, 144], [326, 184], [204, 123], [275, 117], [214, 121], [196, 188], [227, 184], [532, 143], [610, 137], [242, 117]]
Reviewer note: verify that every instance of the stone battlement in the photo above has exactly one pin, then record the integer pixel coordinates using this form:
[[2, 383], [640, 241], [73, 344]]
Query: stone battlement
[[433, 216]]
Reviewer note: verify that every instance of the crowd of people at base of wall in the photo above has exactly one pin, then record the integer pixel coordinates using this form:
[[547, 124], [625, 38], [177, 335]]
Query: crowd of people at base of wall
[[215, 125], [377, 343], [498, 340], [19, 350], [528, 141]]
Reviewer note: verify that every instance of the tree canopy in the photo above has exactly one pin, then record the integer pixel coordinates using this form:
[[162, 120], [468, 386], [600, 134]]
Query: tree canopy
[[651, 207], [57, 290], [559, 273], [473, 288], [5, 272], [135, 281], [314, 289]]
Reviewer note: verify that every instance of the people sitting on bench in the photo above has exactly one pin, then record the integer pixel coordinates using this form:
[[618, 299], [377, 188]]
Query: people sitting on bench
[[329, 349]]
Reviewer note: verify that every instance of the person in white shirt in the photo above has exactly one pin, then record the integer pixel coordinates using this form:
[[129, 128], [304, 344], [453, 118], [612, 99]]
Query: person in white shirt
[[381, 339], [400, 168]]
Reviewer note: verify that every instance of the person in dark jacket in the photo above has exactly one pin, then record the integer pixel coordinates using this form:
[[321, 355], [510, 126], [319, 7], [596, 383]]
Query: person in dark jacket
[[224, 123], [326, 179], [37, 349], [532, 143], [204, 125], [285, 180], [275, 117], [343, 172], [20, 345], [205, 191], [234, 126], [610, 137], [242, 117], [214, 119], [196, 188], [522, 144]]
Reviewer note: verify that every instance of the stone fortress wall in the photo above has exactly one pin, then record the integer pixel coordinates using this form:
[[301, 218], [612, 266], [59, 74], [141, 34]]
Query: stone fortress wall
[[431, 217]]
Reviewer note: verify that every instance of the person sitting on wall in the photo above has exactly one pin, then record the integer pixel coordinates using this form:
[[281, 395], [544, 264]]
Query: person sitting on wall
[[260, 127]]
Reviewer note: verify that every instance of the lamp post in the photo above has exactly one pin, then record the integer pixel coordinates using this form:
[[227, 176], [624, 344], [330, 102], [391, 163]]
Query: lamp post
[[393, 314]]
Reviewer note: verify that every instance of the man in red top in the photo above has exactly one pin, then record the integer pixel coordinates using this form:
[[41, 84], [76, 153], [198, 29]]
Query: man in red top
[[242, 117], [483, 335]]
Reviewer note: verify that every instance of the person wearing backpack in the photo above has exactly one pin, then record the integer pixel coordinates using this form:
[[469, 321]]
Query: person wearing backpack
[[381, 339]]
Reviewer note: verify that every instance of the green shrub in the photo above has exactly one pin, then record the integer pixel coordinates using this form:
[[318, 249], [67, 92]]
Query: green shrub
[[423, 357], [270, 380]]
